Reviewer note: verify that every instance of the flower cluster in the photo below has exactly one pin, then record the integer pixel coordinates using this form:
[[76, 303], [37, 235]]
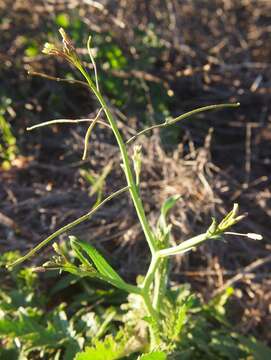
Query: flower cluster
[[68, 51]]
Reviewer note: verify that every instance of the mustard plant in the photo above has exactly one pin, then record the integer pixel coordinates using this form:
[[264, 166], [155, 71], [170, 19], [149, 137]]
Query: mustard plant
[[153, 287]]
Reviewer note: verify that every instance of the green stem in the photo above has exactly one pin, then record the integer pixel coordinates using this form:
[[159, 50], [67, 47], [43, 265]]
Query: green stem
[[155, 327], [146, 287], [129, 288], [182, 117], [184, 246], [66, 121], [150, 274], [160, 283], [126, 163], [149, 307], [65, 228], [146, 297], [132, 289], [88, 133]]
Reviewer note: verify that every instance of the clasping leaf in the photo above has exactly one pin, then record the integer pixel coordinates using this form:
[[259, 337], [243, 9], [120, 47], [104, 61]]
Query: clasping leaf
[[105, 270]]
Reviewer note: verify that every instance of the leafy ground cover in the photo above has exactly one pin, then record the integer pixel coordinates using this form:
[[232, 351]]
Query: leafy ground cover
[[78, 314]]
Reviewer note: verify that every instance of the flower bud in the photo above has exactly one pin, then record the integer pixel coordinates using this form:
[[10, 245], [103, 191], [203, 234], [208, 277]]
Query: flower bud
[[68, 51], [137, 160]]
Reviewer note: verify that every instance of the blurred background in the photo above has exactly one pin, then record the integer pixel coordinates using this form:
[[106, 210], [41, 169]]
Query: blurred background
[[155, 59]]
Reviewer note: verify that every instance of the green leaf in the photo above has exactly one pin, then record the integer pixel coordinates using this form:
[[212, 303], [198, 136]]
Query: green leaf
[[137, 162], [97, 182], [9, 354], [23, 326], [62, 20], [8, 148], [225, 346], [32, 50], [108, 349], [256, 348], [212, 228], [218, 302], [156, 355], [182, 316], [168, 205], [103, 267], [163, 228]]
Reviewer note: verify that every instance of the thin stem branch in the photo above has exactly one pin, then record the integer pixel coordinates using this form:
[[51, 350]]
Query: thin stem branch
[[93, 63], [169, 122], [66, 121], [57, 79], [150, 274], [65, 228], [184, 246], [88, 133]]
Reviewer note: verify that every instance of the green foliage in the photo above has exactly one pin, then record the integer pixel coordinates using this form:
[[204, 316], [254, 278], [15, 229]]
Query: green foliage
[[105, 271], [8, 147], [108, 349], [93, 264], [25, 325], [32, 49], [62, 20], [191, 329], [97, 182], [156, 355], [163, 228], [31, 328]]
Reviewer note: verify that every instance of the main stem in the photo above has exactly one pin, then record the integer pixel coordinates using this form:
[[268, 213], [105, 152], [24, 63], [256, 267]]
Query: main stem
[[126, 163], [144, 291]]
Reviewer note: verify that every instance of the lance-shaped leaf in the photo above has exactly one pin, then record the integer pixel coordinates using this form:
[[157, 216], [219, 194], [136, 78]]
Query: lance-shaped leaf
[[162, 226], [166, 207], [85, 251]]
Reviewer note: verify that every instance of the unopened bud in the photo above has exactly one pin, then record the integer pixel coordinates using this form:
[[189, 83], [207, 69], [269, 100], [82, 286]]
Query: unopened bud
[[68, 51], [137, 157], [56, 248], [235, 209], [68, 47], [50, 49]]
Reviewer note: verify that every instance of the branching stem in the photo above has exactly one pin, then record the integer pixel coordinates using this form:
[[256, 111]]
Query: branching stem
[[184, 246], [88, 133], [66, 121], [170, 122], [66, 228]]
